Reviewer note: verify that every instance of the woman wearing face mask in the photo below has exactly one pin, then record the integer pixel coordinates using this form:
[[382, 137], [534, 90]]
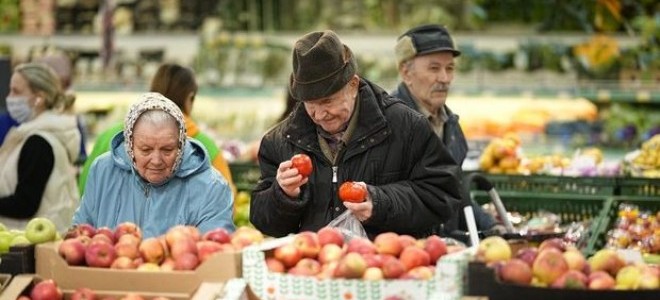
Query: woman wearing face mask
[[37, 178]]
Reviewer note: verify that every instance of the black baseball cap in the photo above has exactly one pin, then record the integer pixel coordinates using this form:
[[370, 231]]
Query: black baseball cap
[[423, 40]]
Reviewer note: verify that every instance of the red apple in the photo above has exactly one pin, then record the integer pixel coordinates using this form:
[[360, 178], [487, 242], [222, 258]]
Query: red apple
[[606, 260], [152, 251], [73, 251], [176, 233], [352, 265], [102, 238], [388, 243], [205, 249], [128, 228], [83, 294], [275, 265], [127, 246], [527, 254], [167, 264], [601, 280], [575, 259], [218, 235], [123, 263], [330, 252], [46, 290], [306, 267], [327, 270], [392, 267], [373, 273], [100, 255], [107, 232], [413, 256], [181, 246], [330, 235], [307, 243], [186, 261], [571, 279], [435, 247], [80, 230], [374, 260], [419, 273], [516, 271], [556, 243], [406, 240], [288, 254], [245, 236], [549, 265], [361, 245]]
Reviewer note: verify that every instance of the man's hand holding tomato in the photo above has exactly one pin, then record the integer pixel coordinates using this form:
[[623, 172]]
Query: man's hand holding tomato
[[355, 197], [293, 173]]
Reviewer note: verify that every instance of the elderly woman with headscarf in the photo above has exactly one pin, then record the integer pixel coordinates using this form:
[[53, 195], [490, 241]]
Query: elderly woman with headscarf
[[155, 176], [37, 178]]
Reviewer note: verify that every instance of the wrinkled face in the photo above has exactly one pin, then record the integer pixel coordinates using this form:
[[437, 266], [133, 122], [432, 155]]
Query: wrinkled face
[[155, 149], [428, 78], [332, 112]]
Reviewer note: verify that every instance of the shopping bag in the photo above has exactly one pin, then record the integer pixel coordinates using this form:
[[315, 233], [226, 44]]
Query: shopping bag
[[349, 225]]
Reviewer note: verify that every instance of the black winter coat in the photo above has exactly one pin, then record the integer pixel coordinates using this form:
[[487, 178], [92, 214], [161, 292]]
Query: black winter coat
[[412, 179]]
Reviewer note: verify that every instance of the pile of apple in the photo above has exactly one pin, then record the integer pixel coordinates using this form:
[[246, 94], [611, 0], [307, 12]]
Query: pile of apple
[[325, 254], [501, 155], [556, 264], [38, 230], [182, 247], [48, 290], [636, 229]]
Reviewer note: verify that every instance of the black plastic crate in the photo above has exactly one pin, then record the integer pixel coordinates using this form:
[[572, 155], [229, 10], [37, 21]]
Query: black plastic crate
[[19, 260]]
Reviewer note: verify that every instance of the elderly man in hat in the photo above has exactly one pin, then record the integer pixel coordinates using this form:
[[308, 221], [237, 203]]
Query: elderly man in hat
[[425, 57], [353, 131]]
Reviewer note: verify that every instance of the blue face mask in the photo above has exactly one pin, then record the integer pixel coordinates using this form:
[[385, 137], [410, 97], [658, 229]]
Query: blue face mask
[[19, 109]]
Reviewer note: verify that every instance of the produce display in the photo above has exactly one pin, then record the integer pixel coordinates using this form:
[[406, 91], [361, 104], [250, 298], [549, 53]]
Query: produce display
[[326, 254], [555, 264], [37, 230], [645, 162], [636, 229], [181, 248]]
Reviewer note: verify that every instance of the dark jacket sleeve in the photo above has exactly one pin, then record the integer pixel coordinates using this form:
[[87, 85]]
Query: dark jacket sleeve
[[271, 210], [35, 164], [431, 194]]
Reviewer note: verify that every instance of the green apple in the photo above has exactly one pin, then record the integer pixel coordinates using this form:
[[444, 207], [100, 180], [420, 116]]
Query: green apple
[[40, 230], [16, 232], [3, 227], [19, 240], [5, 241]]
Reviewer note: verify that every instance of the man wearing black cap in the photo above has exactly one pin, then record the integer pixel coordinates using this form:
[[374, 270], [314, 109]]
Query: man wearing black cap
[[353, 131], [425, 57]]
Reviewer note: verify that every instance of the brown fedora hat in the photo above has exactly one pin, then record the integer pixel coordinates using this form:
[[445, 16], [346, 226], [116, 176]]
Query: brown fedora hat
[[322, 65]]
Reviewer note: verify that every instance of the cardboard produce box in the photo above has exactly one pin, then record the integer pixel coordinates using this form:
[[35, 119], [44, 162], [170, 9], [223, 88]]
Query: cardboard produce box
[[218, 268], [4, 281], [446, 284], [22, 285], [483, 282]]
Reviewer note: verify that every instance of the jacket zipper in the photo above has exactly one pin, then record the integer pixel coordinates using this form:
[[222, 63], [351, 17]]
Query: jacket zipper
[[145, 205]]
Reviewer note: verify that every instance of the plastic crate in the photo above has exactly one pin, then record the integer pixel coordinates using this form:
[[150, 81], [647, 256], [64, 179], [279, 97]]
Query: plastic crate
[[245, 175], [610, 214], [553, 184], [19, 260], [569, 207], [639, 187]]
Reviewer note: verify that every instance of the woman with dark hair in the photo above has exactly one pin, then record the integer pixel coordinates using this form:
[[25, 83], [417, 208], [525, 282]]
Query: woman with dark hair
[[178, 84]]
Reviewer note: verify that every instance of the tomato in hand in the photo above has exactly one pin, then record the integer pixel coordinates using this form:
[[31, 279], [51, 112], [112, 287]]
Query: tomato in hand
[[303, 163], [351, 191]]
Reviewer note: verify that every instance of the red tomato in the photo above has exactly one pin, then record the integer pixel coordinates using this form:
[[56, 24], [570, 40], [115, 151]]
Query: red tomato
[[303, 163], [351, 191]]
